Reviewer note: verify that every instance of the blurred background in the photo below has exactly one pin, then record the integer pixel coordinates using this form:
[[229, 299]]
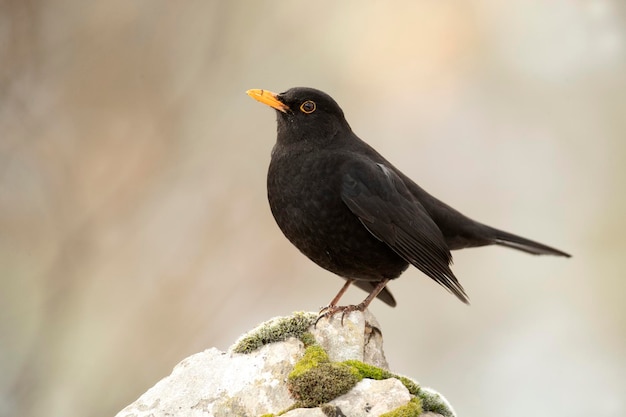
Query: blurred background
[[134, 226]]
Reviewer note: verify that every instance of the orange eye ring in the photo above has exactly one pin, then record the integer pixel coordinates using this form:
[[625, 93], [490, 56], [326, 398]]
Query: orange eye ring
[[308, 107]]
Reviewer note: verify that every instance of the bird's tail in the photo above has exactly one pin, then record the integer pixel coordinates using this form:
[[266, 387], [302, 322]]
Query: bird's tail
[[510, 240]]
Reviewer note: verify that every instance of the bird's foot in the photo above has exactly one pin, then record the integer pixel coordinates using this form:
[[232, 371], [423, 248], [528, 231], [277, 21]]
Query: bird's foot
[[331, 310]]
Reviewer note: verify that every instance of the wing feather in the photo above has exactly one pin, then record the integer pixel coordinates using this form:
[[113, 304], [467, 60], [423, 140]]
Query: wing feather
[[384, 205]]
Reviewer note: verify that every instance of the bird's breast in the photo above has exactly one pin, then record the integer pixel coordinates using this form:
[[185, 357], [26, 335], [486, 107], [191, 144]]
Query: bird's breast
[[304, 193], [304, 196]]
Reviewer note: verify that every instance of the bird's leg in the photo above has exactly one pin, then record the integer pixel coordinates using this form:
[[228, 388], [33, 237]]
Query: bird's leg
[[333, 309], [324, 312], [340, 294], [365, 303], [377, 289]]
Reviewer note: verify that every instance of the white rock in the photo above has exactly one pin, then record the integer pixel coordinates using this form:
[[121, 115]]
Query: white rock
[[305, 412], [213, 383], [220, 384], [373, 398], [358, 338]]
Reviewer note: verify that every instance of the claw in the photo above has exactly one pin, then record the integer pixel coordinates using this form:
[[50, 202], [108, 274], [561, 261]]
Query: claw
[[330, 311]]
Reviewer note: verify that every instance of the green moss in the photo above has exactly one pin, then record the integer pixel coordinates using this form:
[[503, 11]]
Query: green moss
[[331, 410], [369, 371], [315, 380], [322, 384], [411, 409], [313, 357], [373, 372], [308, 339], [430, 400], [434, 402], [276, 330], [413, 388]]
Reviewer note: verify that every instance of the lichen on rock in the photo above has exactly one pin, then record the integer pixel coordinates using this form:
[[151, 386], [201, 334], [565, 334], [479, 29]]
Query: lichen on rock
[[411, 409], [434, 402], [275, 330], [370, 371]]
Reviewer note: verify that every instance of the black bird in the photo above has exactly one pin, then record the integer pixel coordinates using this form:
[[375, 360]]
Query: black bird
[[353, 213]]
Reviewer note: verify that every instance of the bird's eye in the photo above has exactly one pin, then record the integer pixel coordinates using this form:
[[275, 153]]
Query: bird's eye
[[308, 107]]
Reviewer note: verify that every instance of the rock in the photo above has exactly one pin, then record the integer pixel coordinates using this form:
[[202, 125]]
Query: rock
[[285, 365], [359, 338], [373, 398]]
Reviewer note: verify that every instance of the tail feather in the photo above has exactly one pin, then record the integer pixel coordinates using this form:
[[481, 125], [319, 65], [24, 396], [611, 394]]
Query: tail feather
[[384, 295], [530, 246]]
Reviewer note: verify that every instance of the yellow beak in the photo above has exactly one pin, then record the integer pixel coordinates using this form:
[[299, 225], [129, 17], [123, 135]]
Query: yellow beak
[[269, 98]]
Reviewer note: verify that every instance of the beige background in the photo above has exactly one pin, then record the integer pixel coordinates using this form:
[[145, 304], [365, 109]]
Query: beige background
[[134, 227]]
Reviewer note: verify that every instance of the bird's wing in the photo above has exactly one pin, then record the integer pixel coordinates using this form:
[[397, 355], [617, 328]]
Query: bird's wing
[[384, 205]]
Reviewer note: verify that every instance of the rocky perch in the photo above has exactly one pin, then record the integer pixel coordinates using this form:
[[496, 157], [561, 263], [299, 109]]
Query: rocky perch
[[289, 367]]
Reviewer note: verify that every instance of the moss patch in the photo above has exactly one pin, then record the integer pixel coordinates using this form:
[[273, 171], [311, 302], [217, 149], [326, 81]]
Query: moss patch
[[369, 371], [411, 409], [427, 399], [315, 380], [277, 330], [308, 339], [373, 372], [432, 401], [331, 411]]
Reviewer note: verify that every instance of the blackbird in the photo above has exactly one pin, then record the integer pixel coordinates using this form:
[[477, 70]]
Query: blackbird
[[353, 213]]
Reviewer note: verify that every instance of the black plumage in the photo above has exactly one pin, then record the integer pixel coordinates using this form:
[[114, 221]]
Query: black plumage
[[352, 212]]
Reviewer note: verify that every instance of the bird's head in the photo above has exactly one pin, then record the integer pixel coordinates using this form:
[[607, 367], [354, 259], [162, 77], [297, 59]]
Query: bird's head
[[304, 115]]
